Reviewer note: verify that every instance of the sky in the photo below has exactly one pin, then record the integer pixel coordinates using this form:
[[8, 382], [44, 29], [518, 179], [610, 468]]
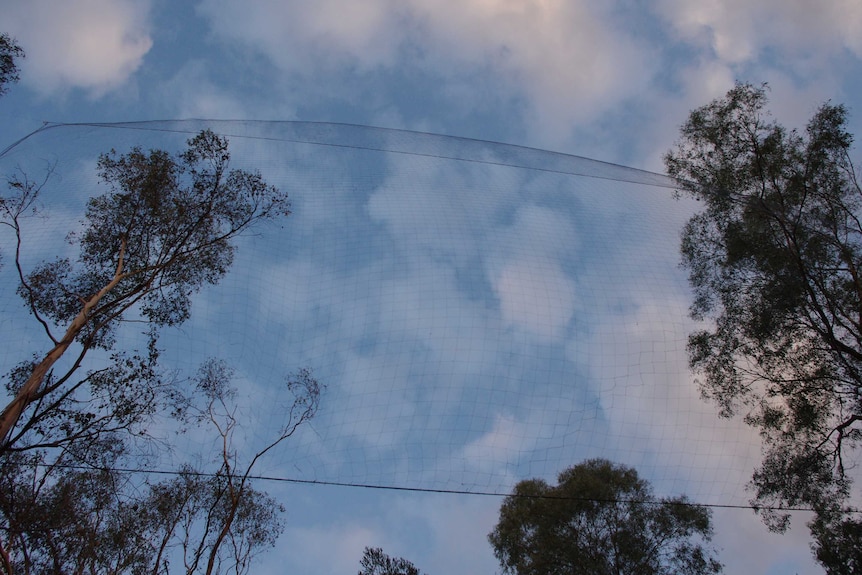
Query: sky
[[475, 324]]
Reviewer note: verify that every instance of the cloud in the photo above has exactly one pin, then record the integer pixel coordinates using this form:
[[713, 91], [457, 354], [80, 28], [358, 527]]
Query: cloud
[[738, 30], [500, 446], [566, 58], [660, 424], [194, 95], [746, 546], [301, 36], [599, 79], [374, 265], [327, 548], [438, 533], [457, 528], [535, 295], [534, 292], [91, 44]]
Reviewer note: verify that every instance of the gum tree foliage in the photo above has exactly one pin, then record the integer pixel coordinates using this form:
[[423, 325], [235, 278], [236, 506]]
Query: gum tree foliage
[[10, 51], [376, 562], [163, 230], [775, 260], [104, 520], [600, 519], [81, 414]]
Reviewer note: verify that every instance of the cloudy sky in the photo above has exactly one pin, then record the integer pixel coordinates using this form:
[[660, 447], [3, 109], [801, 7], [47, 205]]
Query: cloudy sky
[[476, 324]]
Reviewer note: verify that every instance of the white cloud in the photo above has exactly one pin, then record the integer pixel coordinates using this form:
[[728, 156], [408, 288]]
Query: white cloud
[[575, 68], [537, 296], [458, 528], [565, 57], [193, 95], [659, 421], [91, 44], [675, 440], [700, 83], [443, 209], [534, 292], [303, 35], [739, 30], [746, 546], [501, 445], [438, 533]]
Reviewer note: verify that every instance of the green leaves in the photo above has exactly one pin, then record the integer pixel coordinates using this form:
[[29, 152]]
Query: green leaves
[[82, 521], [774, 259], [172, 221], [9, 52], [600, 518], [164, 228], [375, 562]]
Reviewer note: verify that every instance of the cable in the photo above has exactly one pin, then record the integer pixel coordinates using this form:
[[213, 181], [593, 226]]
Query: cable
[[430, 490]]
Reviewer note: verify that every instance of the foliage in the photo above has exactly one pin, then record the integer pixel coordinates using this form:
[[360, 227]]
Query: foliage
[[76, 521], [376, 562], [9, 52], [164, 229], [599, 519], [77, 439], [77, 518], [837, 541], [775, 260], [68, 522]]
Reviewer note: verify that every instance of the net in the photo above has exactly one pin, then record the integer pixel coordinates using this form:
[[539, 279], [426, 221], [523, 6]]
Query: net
[[480, 313]]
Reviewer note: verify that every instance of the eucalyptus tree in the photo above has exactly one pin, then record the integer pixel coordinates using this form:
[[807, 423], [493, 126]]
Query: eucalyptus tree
[[601, 519], [375, 562], [107, 520], [165, 228], [10, 52], [775, 260], [75, 492]]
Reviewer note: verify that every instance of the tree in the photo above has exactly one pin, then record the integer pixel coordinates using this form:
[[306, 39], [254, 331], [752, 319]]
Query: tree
[[600, 519], [80, 519], [163, 231], [9, 52], [233, 515], [775, 261], [376, 562], [837, 540], [76, 436]]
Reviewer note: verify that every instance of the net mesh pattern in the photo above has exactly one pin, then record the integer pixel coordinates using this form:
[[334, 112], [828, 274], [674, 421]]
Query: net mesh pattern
[[480, 313]]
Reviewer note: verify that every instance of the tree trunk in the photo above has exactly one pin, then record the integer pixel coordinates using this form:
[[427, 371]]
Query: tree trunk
[[28, 391]]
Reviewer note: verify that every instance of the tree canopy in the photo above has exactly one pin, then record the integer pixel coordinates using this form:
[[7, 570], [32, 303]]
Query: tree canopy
[[600, 519], [163, 230], [10, 51], [775, 260], [76, 438], [375, 562]]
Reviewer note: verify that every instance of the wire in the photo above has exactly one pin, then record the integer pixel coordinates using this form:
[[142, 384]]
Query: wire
[[430, 490]]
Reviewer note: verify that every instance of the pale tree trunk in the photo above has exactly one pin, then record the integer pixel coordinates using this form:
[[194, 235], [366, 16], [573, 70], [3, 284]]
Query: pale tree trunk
[[28, 391]]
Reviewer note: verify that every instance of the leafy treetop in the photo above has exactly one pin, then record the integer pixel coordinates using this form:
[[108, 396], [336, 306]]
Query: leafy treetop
[[9, 52], [600, 519], [164, 229], [775, 261]]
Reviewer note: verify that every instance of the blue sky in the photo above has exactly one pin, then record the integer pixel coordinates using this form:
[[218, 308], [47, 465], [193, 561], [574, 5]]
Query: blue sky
[[476, 324]]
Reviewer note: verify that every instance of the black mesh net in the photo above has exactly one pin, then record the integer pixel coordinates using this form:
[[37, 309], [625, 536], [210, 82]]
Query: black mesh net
[[480, 313]]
